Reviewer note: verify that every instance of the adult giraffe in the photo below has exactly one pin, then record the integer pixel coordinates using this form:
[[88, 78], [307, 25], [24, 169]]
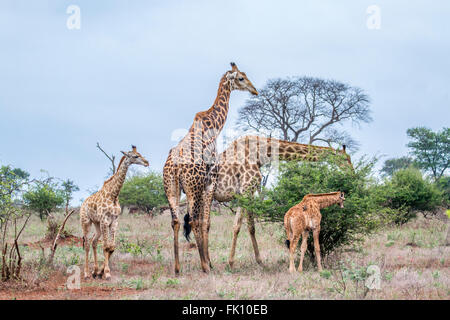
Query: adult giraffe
[[190, 166], [239, 172]]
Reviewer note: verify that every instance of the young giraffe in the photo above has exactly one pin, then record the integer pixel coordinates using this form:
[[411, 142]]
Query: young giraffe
[[239, 172], [190, 166], [103, 209], [302, 218]]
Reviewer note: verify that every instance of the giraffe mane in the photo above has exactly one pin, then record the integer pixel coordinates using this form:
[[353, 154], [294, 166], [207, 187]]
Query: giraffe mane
[[117, 170]]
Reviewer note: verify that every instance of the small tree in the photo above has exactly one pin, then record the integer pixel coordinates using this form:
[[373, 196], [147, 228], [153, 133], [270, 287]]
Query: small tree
[[408, 192], [144, 191], [68, 188], [430, 149], [44, 198]]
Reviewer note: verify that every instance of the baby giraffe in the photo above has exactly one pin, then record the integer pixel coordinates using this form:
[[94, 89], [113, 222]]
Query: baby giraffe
[[103, 209], [302, 218]]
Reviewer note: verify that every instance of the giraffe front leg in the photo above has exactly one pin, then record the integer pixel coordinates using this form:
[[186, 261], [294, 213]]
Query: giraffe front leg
[[104, 226], [236, 229], [85, 226], [317, 248], [111, 246], [251, 230]]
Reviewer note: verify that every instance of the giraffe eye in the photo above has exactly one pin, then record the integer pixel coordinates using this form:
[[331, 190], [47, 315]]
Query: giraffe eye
[[241, 79]]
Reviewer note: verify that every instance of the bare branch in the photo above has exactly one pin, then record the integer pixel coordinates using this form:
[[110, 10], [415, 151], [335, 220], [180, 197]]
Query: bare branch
[[111, 158]]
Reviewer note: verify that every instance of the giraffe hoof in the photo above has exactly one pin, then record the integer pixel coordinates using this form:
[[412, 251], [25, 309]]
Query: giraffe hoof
[[205, 268], [99, 274], [87, 277], [107, 276]]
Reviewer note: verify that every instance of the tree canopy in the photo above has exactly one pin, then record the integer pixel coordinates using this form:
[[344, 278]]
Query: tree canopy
[[430, 149], [394, 164], [306, 110]]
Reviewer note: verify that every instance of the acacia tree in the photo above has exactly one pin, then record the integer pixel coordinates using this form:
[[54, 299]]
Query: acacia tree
[[305, 109], [430, 149]]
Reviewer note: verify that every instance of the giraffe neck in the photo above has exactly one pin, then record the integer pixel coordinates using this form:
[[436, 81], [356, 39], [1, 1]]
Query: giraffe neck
[[219, 110], [297, 151], [254, 149], [114, 184], [325, 200]]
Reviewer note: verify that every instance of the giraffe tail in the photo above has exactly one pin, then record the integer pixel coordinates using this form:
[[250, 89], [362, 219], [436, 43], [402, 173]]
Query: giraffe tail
[[187, 228]]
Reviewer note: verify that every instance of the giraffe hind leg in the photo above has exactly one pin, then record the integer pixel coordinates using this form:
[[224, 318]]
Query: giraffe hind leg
[[172, 190]]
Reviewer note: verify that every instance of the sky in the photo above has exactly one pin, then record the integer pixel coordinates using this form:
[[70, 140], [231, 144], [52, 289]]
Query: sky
[[136, 72]]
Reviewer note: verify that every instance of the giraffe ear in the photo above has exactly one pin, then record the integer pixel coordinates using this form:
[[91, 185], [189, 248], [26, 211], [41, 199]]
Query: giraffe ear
[[124, 153]]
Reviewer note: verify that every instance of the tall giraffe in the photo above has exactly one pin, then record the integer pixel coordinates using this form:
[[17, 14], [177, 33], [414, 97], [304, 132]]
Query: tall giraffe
[[239, 172], [190, 165], [103, 209], [302, 218]]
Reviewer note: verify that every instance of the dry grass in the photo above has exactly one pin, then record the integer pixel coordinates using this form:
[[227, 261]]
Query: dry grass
[[413, 261]]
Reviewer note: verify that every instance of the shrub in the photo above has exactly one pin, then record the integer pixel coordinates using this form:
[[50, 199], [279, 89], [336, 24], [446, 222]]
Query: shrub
[[144, 191], [44, 198], [408, 192], [443, 185]]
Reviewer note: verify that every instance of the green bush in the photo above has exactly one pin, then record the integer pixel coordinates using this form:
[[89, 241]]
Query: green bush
[[408, 192], [44, 198], [443, 185], [144, 191], [339, 227]]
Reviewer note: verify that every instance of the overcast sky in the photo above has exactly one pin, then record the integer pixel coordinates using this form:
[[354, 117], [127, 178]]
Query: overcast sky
[[137, 71]]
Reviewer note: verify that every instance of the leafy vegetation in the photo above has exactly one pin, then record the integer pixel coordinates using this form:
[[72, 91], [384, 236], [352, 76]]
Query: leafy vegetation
[[44, 198], [392, 165], [407, 192], [430, 149], [338, 226], [144, 191]]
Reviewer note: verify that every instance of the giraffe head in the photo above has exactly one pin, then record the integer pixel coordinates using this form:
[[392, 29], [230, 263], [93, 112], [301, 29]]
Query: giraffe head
[[239, 80], [341, 199], [134, 157]]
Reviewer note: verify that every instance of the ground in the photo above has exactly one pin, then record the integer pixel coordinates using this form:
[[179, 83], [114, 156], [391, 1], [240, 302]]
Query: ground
[[413, 262]]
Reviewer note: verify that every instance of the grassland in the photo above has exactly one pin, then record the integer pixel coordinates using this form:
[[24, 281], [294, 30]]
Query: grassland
[[413, 262]]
